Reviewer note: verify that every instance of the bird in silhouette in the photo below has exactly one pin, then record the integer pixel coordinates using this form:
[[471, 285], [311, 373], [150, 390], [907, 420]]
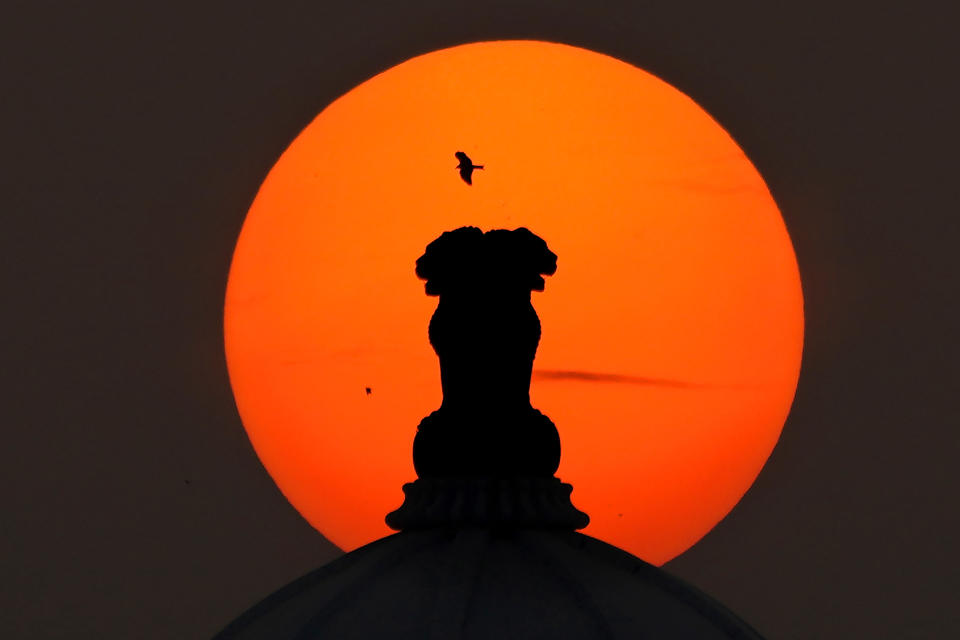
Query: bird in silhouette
[[466, 166], [368, 390]]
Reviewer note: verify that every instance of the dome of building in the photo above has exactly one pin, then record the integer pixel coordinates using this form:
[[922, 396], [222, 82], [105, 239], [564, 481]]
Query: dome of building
[[483, 583]]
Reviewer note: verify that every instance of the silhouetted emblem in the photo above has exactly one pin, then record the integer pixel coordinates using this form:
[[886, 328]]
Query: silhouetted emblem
[[486, 457], [485, 332], [466, 166]]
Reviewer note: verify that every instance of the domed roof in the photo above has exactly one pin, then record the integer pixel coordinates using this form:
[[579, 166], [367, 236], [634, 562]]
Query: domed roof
[[484, 583]]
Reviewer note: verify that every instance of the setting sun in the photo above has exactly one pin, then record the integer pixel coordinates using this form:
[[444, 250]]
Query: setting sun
[[671, 332]]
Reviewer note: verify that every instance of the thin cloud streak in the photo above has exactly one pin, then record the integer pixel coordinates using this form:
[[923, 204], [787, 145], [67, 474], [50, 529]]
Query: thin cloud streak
[[615, 378]]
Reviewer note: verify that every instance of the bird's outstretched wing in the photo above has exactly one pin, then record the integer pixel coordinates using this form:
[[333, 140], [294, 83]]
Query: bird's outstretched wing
[[466, 173], [463, 158]]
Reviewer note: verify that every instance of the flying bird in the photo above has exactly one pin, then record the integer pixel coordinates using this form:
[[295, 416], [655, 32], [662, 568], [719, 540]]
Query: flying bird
[[466, 166]]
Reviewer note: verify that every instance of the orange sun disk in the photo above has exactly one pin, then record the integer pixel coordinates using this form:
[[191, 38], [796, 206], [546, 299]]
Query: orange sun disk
[[672, 330]]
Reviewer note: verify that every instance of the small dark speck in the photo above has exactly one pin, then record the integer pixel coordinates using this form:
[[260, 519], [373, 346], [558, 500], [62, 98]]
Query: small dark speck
[[186, 482], [368, 390], [619, 515]]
